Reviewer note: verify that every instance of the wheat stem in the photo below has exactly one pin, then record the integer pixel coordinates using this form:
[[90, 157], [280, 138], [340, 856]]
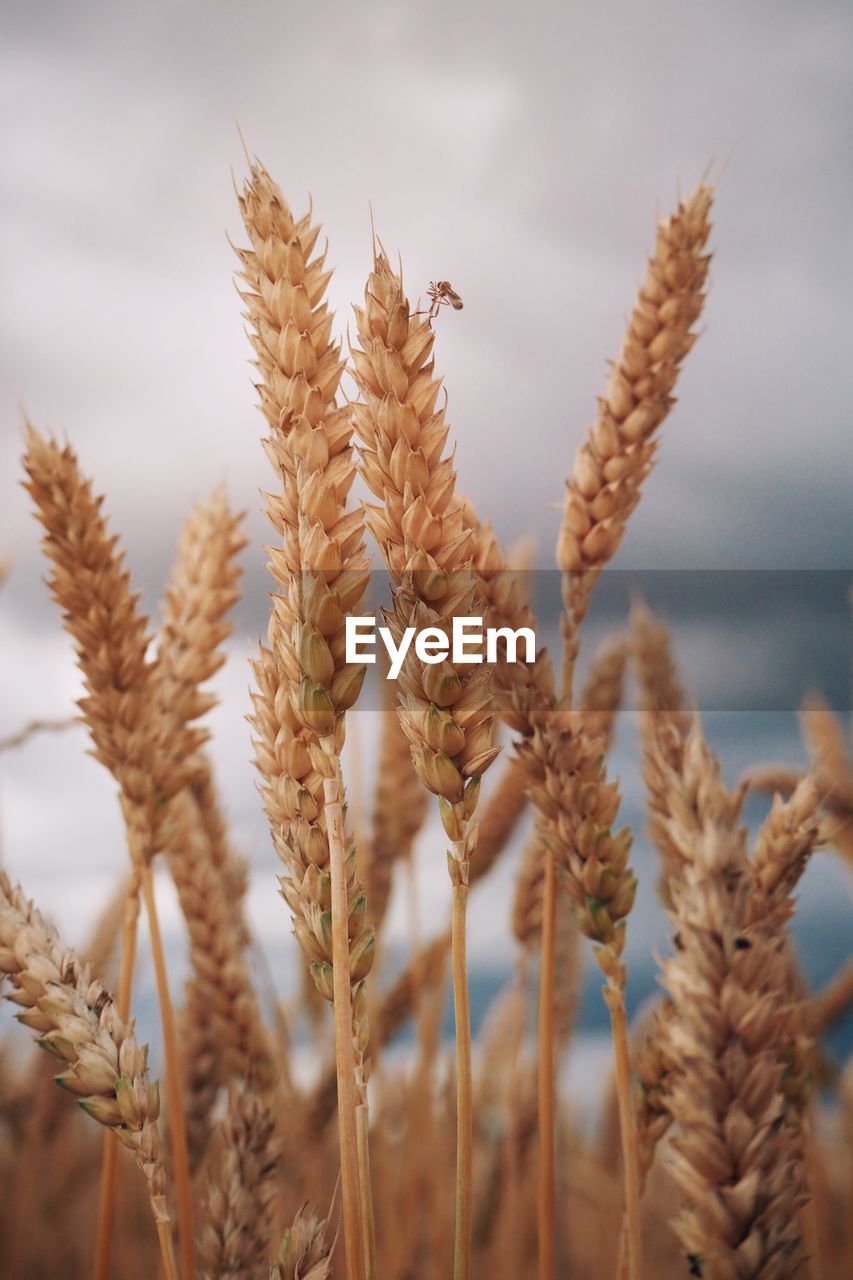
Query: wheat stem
[[809, 1219], [615, 998], [177, 1119], [109, 1157], [344, 1055], [546, 1197], [167, 1249], [464, 1098], [362, 1127]]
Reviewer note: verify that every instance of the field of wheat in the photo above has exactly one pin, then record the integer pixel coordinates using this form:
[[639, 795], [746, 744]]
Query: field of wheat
[[724, 1147]]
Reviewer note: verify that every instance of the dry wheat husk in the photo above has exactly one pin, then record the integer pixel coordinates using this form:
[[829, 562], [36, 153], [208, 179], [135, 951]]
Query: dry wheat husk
[[305, 1252]]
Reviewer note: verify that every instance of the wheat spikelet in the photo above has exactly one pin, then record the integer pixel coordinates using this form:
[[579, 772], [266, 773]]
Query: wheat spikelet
[[399, 809], [423, 973], [619, 448], [304, 1252], [234, 1239], [660, 687], [74, 1018], [571, 790], [831, 1002], [653, 1074], [202, 590], [527, 900], [827, 744], [89, 582], [201, 1069], [502, 810], [664, 725], [100, 950], [733, 1156], [320, 570], [601, 696], [222, 980], [522, 689], [783, 846]]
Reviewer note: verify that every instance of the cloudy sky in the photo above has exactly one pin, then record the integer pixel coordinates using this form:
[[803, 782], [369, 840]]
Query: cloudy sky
[[519, 151]]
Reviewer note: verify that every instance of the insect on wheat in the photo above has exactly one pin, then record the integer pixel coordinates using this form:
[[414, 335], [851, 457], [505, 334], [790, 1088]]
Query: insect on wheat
[[441, 294]]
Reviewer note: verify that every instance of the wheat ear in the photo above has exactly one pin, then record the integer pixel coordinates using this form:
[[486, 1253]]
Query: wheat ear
[[75, 1019], [304, 1252], [304, 682], [399, 809], [831, 1002], [601, 696], [664, 726], [618, 452], [734, 1156], [202, 590], [237, 1224], [446, 713], [400, 1002], [147, 753]]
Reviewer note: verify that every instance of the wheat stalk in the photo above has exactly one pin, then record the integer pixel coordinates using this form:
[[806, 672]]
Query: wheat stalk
[[304, 682], [147, 753], [602, 491], [420, 527]]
